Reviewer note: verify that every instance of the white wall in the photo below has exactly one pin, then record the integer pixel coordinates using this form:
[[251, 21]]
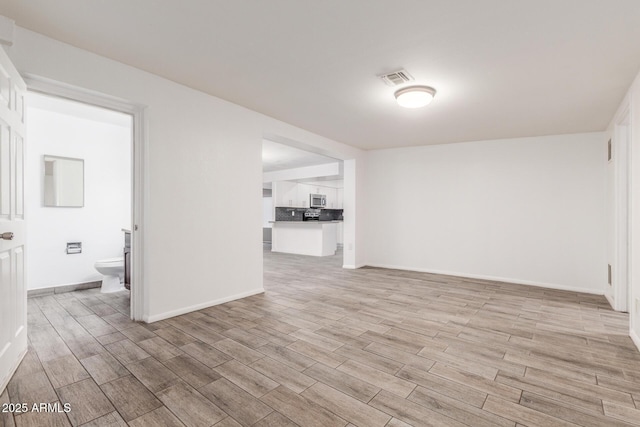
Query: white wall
[[196, 254], [527, 210], [356, 212], [106, 150]]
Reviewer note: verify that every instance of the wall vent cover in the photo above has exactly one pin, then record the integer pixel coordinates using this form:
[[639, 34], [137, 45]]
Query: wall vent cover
[[396, 78]]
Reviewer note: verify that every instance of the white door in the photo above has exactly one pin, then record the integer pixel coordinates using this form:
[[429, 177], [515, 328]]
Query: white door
[[13, 294]]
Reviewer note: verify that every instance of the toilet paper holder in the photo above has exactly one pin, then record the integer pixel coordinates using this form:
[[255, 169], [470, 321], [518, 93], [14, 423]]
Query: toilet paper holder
[[74, 248]]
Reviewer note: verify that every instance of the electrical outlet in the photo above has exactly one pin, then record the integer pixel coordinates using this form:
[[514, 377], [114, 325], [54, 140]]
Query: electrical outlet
[[637, 305]]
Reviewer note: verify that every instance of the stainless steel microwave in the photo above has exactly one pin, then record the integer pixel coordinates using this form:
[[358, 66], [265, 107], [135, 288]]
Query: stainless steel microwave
[[317, 201]]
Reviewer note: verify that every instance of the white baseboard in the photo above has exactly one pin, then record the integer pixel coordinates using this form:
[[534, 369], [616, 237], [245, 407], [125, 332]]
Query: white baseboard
[[635, 338], [178, 312], [353, 267], [491, 278], [610, 300]]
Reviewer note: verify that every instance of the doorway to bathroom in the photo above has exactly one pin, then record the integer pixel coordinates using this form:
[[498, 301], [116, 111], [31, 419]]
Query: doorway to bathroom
[[78, 197]]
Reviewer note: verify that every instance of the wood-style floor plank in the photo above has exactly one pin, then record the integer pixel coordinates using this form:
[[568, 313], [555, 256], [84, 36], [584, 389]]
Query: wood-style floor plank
[[190, 406], [158, 417], [86, 400], [130, 397], [345, 406], [104, 368], [191, 371], [64, 371], [300, 409], [242, 406], [329, 346], [246, 378]]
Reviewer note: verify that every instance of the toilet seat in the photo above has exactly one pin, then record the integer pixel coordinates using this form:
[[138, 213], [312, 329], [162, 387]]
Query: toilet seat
[[111, 262]]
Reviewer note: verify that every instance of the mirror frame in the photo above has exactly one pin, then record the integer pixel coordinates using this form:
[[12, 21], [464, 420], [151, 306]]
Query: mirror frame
[[45, 157]]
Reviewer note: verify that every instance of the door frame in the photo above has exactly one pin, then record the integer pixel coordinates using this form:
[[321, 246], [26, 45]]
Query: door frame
[[352, 257], [619, 206], [139, 152], [622, 185]]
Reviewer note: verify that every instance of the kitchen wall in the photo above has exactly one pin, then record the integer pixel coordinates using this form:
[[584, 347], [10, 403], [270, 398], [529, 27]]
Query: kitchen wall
[[197, 144], [105, 147], [527, 210]]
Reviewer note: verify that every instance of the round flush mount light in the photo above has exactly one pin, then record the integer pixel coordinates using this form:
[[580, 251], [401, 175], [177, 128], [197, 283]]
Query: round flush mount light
[[415, 96]]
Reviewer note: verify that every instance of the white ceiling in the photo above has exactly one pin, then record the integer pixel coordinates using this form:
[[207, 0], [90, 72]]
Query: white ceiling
[[276, 157], [502, 68]]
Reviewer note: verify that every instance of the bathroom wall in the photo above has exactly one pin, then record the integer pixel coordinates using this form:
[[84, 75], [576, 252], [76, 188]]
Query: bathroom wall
[[103, 139]]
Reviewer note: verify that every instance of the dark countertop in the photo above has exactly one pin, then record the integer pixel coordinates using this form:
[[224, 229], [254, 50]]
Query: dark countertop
[[312, 221]]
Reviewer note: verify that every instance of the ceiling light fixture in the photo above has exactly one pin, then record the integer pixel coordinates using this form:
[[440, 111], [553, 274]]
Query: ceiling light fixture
[[415, 96]]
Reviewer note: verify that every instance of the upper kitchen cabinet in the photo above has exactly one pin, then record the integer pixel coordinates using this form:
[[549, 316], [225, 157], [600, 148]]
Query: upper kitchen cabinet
[[304, 191], [294, 194], [332, 197], [285, 193]]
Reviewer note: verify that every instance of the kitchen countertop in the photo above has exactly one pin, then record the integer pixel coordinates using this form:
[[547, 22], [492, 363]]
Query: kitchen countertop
[[312, 221]]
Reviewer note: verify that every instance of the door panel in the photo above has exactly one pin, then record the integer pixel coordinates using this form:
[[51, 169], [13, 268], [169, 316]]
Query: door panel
[[5, 172], [21, 289], [18, 176], [13, 293], [5, 89], [5, 304]]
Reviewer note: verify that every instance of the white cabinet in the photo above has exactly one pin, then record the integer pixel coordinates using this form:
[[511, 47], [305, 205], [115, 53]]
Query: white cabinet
[[340, 198], [332, 197], [303, 195], [285, 194], [288, 193]]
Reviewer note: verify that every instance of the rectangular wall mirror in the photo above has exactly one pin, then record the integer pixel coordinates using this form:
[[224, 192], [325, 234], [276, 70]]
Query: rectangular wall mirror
[[63, 182]]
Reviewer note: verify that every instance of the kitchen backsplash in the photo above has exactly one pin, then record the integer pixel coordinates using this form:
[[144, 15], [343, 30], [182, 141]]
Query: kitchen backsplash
[[331, 215], [290, 214], [297, 214]]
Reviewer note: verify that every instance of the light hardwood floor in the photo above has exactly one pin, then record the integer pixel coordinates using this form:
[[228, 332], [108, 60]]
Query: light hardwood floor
[[331, 347]]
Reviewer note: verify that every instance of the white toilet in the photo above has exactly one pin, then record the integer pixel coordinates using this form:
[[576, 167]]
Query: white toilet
[[113, 271]]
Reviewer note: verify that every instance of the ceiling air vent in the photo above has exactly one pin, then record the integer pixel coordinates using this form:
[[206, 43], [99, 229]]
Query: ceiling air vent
[[396, 78]]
